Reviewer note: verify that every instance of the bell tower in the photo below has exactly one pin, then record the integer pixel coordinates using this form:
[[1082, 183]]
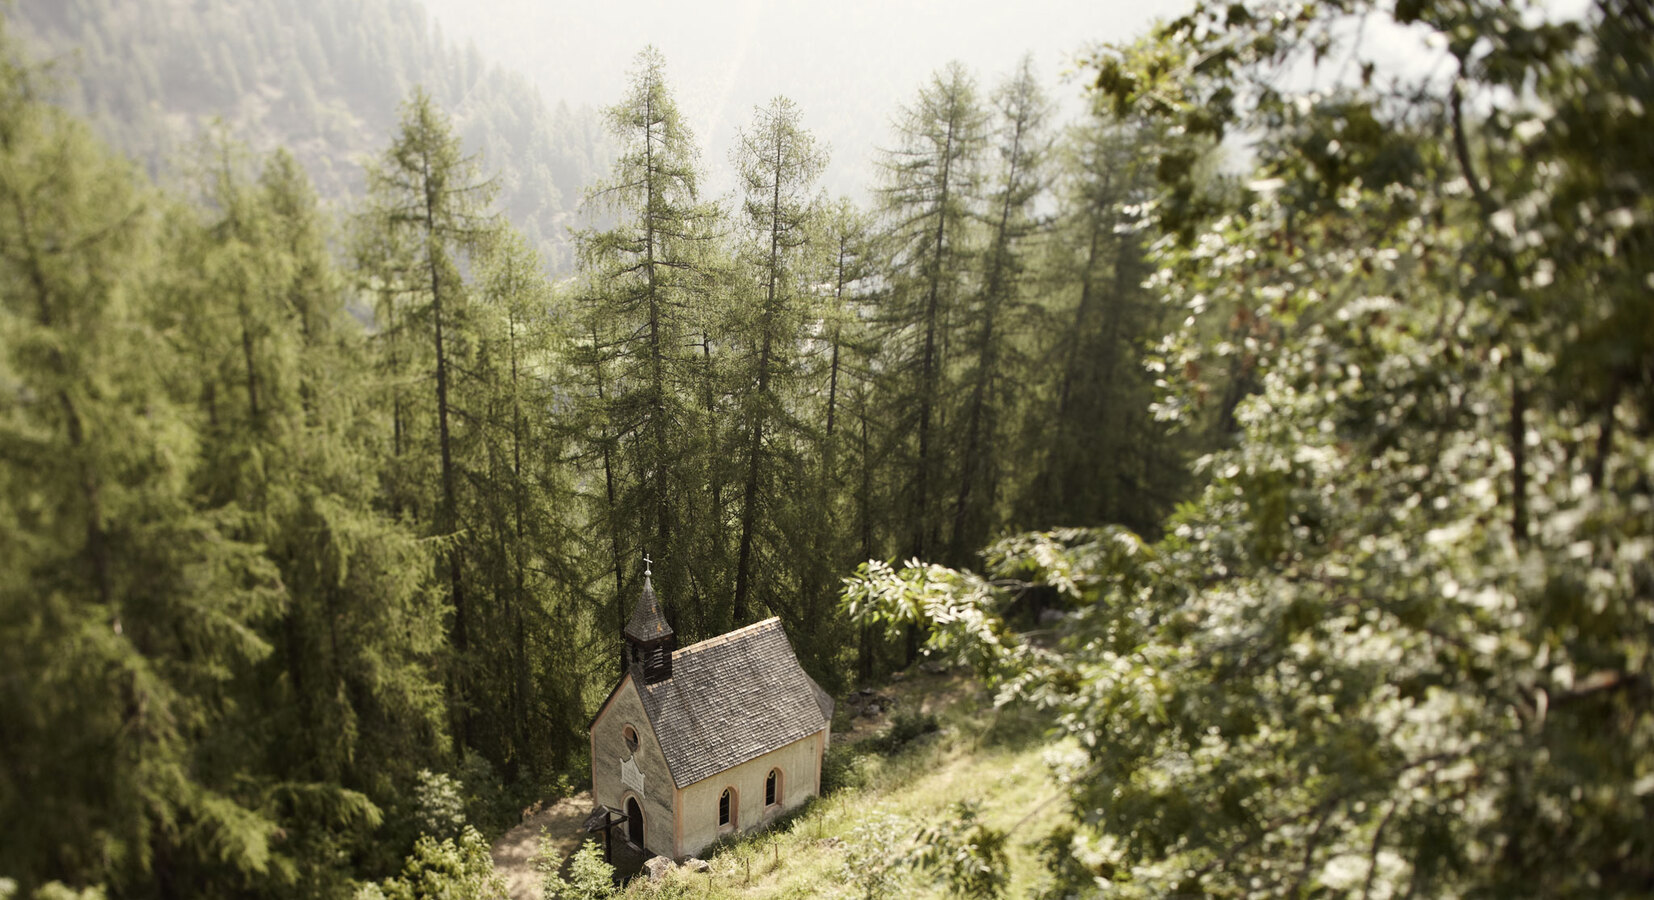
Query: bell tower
[[649, 639]]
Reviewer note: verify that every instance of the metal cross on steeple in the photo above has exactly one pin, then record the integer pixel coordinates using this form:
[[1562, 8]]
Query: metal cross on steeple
[[647, 564]]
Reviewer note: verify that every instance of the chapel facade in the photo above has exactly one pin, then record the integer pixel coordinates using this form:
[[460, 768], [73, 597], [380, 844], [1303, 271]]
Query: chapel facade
[[714, 738]]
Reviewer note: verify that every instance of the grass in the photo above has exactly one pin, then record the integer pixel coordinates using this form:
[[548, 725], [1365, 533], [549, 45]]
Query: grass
[[997, 759]]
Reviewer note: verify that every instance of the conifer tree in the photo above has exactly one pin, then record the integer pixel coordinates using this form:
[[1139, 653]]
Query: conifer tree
[[929, 196], [997, 317], [428, 214], [778, 162], [1101, 456], [649, 290], [524, 544], [346, 706], [124, 608]]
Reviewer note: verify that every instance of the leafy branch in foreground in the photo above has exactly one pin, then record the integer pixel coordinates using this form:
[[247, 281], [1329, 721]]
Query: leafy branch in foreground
[[1400, 642]]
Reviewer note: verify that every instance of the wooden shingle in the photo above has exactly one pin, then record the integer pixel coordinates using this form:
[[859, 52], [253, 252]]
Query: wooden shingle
[[733, 698]]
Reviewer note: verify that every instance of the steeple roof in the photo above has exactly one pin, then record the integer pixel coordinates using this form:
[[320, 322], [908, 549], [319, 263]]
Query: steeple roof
[[647, 624]]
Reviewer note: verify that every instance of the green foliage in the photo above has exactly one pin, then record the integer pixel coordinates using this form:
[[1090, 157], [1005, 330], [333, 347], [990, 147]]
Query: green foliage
[[1397, 645], [651, 310], [966, 853], [53, 890], [590, 878], [329, 77], [905, 727], [872, 870], [778, 162], [127, 605], [843, 768], [440, 804], [449, 870]]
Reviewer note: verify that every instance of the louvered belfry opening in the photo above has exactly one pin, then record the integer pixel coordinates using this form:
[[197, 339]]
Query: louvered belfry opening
[[649, 639]]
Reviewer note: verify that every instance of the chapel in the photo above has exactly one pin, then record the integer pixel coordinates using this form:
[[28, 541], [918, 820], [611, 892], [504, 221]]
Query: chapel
[[707, 740]]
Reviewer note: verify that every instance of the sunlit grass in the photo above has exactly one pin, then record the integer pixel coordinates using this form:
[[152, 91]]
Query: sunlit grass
[[997, 759]]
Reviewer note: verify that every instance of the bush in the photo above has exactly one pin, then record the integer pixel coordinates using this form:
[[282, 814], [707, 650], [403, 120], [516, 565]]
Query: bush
[[455, 870], [904, 728], [844, 767], [590, 878], [440, 803]]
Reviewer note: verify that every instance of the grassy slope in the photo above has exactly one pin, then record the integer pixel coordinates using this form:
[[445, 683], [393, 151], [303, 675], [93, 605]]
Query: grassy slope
[[998, 759]]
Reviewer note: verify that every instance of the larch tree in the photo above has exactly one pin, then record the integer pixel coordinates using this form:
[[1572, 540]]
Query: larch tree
[[125, 608], [428, 214], [842, 376], [995, 319], [929, 196], [1102, 457], [648, 286], [778, 163], [287, 439], [525, 544]]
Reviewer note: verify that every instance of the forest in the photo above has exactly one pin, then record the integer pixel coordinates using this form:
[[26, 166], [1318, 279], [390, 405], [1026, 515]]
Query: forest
[[1287, 443]]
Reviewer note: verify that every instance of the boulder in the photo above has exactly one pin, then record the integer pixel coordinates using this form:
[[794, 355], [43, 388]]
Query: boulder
[[658, 867], [697, 865]]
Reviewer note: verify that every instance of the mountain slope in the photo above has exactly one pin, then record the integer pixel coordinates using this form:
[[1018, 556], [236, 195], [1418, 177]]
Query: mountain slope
[[321, 77]]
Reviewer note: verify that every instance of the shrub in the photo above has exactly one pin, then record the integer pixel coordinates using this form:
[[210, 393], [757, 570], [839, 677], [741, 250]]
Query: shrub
[[440, 804], [844, 767], [904, 728], [590, 878]]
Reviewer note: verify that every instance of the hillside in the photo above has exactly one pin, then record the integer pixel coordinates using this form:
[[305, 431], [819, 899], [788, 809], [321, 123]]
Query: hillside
[[322, 78], [883, 785]]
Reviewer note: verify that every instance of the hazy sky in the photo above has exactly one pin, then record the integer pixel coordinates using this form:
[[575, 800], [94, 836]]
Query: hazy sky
[[847, 64]]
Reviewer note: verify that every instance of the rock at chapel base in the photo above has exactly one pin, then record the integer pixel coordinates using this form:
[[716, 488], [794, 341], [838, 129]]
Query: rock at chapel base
[[697, 865], [658, 867]]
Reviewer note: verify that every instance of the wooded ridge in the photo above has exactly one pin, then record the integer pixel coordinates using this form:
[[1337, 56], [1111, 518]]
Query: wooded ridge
[[1312, 502]]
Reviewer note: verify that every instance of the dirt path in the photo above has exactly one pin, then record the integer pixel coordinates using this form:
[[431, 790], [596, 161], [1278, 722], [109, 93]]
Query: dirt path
[[515, 850]]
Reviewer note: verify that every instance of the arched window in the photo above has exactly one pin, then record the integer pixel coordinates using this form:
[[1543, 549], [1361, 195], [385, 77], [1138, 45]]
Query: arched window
[[772, 788], [726, 807], [630, 734]]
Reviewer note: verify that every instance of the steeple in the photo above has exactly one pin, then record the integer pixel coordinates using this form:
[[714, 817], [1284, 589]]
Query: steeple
[[649, 638]]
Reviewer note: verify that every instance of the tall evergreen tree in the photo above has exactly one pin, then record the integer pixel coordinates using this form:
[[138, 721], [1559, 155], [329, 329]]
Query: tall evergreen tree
[[649, 284], [996, 319], [124, 607], [429, 214], [778, 162], [930, 193]]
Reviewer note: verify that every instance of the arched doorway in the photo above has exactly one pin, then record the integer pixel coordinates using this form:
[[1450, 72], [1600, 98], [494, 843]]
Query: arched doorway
[[634, 822]]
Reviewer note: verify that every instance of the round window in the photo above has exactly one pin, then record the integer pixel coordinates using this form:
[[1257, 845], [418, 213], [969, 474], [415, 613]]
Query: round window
[[630, 734]]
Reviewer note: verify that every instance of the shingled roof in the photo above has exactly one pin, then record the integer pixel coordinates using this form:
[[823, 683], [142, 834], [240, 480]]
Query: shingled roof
[[730, 699], [647, 623]]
